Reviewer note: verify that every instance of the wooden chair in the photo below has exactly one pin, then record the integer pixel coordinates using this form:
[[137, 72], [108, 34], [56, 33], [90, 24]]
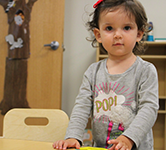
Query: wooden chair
[[47, 125]]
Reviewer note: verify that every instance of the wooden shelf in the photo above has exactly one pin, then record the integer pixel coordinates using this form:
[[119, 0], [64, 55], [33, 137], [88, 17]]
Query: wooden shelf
[[162, 97], [162, 111], [156, 43], [159, 53], [153, 56]]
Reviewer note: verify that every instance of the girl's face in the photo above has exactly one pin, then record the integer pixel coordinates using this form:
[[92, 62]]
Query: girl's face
[[117, 32]]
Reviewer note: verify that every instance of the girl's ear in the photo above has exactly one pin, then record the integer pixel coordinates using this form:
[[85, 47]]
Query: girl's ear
[[96, 32], [139, 35]]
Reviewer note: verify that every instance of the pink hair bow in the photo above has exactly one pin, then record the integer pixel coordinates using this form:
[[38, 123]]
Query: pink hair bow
[[97, 3]]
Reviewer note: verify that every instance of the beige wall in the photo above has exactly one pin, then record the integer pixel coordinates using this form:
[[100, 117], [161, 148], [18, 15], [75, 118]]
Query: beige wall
[[78, 54]]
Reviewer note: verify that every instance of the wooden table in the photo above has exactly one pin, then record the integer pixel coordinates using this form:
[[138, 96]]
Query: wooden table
[[13, 144]]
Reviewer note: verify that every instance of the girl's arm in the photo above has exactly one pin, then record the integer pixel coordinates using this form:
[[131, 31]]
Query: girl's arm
[[147, 106]]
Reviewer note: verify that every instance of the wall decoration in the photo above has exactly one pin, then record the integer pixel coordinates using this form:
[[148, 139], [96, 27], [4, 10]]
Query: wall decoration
[[18, 38], [10, 39], [10, 4], [19, 17]]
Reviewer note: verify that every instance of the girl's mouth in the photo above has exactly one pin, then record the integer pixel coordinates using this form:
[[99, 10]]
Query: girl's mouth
[[118, 44]]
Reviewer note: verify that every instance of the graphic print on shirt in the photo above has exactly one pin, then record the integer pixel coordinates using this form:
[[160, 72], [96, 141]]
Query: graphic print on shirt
[[112, 106]]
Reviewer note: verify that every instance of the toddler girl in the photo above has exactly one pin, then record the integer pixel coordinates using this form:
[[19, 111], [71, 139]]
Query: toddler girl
[[120, 93]]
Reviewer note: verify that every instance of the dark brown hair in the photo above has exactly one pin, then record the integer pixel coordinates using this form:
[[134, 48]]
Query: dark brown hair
[[132, 7]]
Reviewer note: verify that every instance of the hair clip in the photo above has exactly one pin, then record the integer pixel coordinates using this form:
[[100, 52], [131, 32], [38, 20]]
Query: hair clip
[[97, 3]]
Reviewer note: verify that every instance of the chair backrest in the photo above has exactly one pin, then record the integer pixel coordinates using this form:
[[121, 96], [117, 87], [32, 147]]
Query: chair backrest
[[47, 125]]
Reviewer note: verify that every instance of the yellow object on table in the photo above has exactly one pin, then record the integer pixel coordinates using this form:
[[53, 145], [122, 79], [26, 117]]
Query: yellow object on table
[[92, 148]]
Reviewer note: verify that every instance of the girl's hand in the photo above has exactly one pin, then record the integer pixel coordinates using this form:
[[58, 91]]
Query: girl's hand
[[121, 143], [64, 144]]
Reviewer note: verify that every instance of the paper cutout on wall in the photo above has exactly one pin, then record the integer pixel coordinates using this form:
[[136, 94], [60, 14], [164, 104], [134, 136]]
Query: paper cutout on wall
[[10, 39], [10, 4], [19, 17]]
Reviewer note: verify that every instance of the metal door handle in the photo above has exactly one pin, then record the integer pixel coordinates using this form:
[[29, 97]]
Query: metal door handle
[[54, 45]]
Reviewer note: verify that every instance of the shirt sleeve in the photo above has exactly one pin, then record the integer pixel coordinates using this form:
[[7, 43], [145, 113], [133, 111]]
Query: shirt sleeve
[[148, 104], [82, 109]]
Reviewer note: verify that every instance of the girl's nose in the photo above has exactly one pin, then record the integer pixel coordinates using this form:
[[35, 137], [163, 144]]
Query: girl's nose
[[117, 34]]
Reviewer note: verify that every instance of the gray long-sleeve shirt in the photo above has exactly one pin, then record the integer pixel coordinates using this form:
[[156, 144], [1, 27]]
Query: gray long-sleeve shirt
[[118, 104]]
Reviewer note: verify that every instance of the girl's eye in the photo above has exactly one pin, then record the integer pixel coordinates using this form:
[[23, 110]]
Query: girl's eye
[[127, 28], [109, 28]]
